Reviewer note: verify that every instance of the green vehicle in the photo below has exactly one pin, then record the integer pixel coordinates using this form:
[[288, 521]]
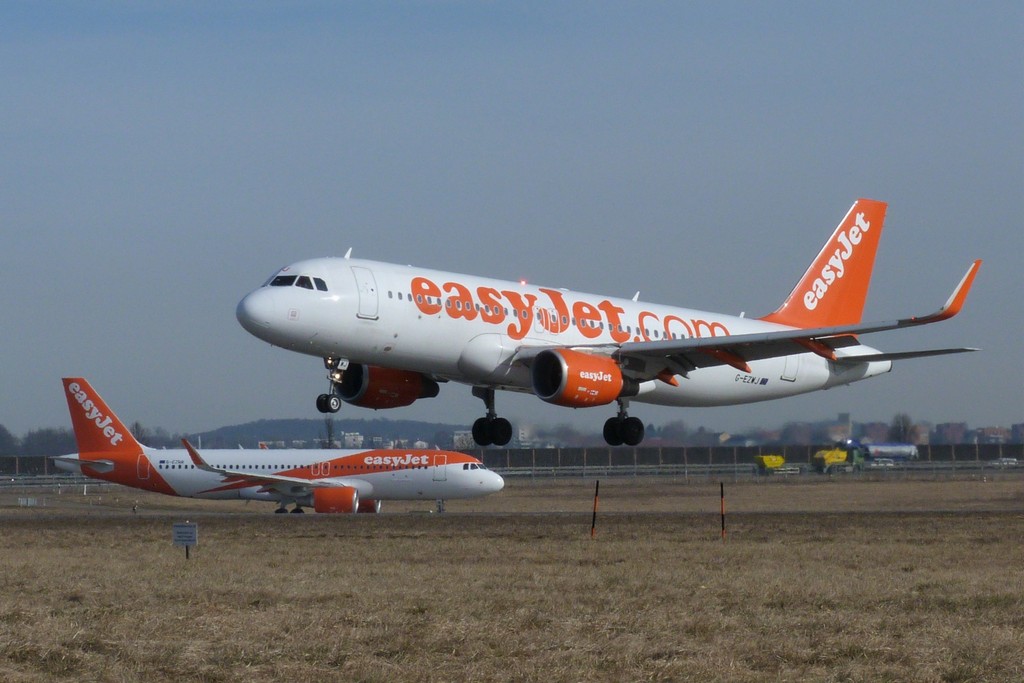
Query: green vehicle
[[845, 456]]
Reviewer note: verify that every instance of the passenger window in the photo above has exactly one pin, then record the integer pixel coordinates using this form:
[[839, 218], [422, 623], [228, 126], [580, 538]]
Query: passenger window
[[283, 281], [320, 284]]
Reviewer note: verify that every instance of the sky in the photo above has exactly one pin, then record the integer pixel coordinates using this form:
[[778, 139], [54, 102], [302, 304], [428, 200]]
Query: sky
[[159, 160]]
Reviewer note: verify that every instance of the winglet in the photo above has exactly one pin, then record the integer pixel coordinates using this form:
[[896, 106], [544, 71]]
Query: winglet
[[197, 459], [956, 300]]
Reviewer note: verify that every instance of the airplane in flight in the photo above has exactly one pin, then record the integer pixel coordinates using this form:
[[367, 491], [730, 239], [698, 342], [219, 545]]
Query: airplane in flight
[[327, 480], [390, 334]]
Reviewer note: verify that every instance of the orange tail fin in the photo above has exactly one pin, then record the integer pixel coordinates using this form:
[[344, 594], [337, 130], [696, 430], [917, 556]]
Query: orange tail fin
[[835, 287], [97, 429]]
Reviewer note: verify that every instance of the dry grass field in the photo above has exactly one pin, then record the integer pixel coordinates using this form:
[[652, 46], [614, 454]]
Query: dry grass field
[[818, 580]]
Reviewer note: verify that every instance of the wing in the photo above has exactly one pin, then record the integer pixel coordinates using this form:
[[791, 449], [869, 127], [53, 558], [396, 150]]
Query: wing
[[97, 465], [274, 482], [680, 356]]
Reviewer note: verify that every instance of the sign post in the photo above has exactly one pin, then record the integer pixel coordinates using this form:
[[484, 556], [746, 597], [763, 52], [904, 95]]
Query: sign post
[[722, 486], [185, 534]]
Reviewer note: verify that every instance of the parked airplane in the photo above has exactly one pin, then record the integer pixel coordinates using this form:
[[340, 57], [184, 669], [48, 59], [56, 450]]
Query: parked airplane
[[326, 480], [389, 334]]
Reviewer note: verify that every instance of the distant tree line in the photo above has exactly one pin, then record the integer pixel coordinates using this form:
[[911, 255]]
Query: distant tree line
[[318, 433], [58, 441]]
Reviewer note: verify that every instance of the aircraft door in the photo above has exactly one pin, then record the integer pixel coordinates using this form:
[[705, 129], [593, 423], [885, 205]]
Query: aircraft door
[[142, 467], [791, 369], [440, 470], [367, 287]]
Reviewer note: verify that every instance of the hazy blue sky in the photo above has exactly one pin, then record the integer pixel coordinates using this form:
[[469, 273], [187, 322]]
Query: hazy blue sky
[[160, 160]]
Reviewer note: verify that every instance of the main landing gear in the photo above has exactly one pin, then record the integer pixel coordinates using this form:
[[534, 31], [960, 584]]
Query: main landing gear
[[623, 429], [283, 509], [331, 402], [490, 429]]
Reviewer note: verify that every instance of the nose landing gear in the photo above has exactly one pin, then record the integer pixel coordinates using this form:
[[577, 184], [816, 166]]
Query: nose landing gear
[[328, 403], [331, 402]]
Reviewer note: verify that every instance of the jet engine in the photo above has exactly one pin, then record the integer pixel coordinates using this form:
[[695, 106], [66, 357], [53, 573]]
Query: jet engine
[[577, 380], [335, 499], [368, 505], [371, 386]]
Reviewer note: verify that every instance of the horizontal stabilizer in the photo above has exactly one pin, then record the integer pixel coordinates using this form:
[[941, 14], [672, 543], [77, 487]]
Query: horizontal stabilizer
[[901, 355], [100, 466]]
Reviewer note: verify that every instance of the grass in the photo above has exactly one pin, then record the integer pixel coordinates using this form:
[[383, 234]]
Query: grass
[[818, 580]]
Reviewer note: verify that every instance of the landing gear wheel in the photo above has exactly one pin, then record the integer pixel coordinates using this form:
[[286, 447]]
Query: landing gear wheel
[[613, 431], [501, 431], [279, 511], [328, 403], [482, 432], [632, 431], [490, 429], [297, 510], [623, 429]]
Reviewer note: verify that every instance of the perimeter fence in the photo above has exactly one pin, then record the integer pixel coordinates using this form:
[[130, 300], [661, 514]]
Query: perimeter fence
[[721, 459], [657, 459]]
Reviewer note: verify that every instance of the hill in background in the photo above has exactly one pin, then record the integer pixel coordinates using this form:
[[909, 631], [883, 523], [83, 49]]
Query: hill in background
[[294, 431]]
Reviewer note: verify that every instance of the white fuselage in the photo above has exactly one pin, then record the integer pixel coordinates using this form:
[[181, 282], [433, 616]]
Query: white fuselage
[[377, 475], [467, 329]]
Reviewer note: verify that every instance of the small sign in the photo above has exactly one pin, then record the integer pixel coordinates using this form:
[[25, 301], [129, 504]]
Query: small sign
[[185, 534]]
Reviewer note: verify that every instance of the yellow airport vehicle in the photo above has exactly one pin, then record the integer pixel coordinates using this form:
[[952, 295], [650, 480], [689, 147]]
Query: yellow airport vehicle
[[845, 456]]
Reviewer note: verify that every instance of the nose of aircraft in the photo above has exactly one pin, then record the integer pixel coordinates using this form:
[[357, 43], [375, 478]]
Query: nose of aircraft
[[494, 482], [255, 311]]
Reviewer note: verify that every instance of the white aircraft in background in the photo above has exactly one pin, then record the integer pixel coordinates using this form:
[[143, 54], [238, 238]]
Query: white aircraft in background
[[326, 480], [389, 334]]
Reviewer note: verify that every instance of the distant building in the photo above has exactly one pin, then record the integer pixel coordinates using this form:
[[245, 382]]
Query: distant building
[[874, 432], [993, 435], [950, 433]]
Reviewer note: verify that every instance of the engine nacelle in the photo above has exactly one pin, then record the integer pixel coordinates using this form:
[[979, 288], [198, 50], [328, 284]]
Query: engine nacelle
[[371, 386], [576, 379], [368, 505], [335, 499]]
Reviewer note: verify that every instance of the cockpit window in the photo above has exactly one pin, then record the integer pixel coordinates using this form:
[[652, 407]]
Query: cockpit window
[[283, 281], [304, 281]]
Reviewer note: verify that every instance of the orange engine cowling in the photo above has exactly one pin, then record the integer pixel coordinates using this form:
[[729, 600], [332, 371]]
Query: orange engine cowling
[[371, 386], [575, 379], [335, 499], [368, 505]]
